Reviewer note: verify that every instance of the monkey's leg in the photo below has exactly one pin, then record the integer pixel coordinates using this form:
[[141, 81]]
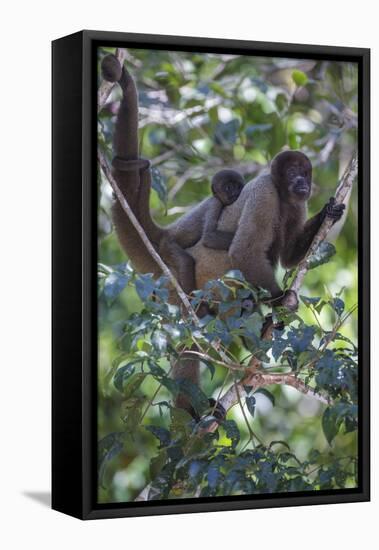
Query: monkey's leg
[[183, 263], [256, 267], [212, 237], [218, 240]]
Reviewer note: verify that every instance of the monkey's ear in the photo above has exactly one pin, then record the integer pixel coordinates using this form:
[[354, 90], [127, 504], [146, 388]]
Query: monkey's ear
[[111, 69]]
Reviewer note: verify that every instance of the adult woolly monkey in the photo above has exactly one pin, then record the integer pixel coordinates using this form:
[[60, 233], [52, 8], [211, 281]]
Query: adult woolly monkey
[[268, 218]]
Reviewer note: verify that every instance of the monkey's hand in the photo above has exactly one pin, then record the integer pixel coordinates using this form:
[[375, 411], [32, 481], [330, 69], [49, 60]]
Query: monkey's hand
[[333, 210]]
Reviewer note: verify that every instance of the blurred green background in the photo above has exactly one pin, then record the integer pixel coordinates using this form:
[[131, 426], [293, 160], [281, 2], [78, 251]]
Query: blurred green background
[[199, 113]]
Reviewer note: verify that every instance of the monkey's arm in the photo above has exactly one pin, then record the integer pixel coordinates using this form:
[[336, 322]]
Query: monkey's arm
[[299, 245], [254, 238], [212, 237]]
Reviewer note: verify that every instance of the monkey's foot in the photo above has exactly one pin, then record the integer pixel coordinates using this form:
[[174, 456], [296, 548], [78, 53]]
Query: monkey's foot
[[290, 300]]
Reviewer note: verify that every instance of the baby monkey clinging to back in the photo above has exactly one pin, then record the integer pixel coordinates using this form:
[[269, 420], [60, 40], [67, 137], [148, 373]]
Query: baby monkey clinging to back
[[200, 223]]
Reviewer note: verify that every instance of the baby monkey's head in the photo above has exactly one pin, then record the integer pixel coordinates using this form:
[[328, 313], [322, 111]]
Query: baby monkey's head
[[227, 186]]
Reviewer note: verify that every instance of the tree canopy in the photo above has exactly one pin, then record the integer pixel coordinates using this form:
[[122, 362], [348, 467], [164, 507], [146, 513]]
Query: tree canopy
[[200, 113]]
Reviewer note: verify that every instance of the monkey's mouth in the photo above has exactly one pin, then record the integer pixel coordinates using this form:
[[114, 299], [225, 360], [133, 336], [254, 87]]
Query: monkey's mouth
[[231, 199], [301, 190]]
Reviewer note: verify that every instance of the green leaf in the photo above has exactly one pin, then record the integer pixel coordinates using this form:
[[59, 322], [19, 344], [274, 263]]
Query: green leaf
[[162, 434], [232, 431], [159, 341], [114, 284], [180, 425], [209, 365], [132, 385], [122, 375], [197, 398], [213, 476], [235, 274], [250, 403], [322, 255], [145, 286], [331, 424], [338, 305], [300, 339], [108, 447], [157, 463], [299, 77], [254, 323], [279, 344], [309, 301]]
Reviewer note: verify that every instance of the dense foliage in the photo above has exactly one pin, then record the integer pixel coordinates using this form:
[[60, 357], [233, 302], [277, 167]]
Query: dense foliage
[[200, 113]]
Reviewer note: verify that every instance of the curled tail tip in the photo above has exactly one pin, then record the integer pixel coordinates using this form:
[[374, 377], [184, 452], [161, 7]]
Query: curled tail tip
[[111, 68]]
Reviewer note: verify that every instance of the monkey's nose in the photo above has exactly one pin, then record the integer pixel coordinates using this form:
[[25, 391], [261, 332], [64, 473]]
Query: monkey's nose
[[299, 180]]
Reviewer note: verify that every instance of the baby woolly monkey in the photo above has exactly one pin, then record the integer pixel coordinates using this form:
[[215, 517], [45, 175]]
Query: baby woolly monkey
[[200, 223]]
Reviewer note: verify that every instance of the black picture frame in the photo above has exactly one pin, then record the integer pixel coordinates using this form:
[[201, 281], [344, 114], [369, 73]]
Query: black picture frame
[[74, 330]]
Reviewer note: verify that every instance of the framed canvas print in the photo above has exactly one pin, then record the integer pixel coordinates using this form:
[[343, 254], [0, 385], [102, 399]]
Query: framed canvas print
[[210, 274]]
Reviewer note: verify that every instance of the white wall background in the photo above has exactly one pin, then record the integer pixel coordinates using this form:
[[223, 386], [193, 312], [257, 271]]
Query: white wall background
[[27, 29]]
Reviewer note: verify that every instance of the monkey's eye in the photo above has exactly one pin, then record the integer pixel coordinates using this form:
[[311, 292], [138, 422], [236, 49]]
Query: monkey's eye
[[292, 172]]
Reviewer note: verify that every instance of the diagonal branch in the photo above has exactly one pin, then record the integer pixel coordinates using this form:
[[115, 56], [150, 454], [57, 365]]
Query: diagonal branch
[[342, 191]]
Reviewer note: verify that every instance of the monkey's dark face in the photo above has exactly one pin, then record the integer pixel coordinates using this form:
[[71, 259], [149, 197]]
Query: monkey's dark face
[[228, 192], [227, 186], [299, 180], [292, 174]]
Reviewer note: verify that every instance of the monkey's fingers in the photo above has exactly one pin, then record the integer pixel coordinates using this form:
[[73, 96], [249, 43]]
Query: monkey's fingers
[[333, 210]]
